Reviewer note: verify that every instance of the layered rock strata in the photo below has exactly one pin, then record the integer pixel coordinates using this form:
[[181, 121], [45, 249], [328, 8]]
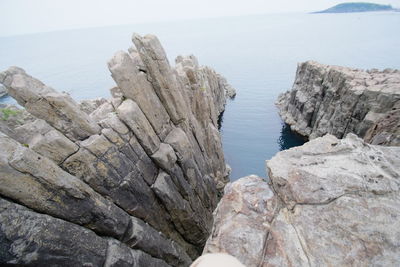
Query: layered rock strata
[[132, 180], [330, 202], [339, 100]]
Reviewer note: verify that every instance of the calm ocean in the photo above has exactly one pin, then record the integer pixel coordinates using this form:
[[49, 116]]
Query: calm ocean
[[257, 54]]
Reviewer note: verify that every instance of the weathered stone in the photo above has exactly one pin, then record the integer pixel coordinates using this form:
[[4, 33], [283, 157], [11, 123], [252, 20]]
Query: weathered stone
[[165, 157], [12, 117], [163, 78], [132, 115], [45, 140], [119, 254], [188, 223], [58, 109], [207, 89], [40, 184], [88, 106], [48, 241], [112, 121], [129, 192], [152, 151], [145, 238], [386, 130], [134, 84], [242, 220], [338, 100], [117, 97], [28, 238], [349, 231], [102, 111], [324, 170], [336, 203], [181, 144], [3, 90]]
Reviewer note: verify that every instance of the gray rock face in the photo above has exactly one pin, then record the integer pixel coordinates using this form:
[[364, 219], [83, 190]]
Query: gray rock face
[[28, 238], [3, 90], [143, 170], [12, 117], [330, 202], [43, 102], [242, 220], [338, 100]]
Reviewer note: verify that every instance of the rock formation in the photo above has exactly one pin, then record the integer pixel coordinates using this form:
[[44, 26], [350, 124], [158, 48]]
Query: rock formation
[[3, 91], [338, 100], [129, 181], [330, 202]]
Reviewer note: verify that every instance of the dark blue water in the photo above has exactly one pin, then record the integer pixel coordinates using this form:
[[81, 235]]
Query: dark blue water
[[257, 54]]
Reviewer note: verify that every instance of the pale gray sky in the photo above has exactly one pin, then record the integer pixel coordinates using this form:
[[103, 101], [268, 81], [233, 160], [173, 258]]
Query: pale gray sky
[[30, 16]]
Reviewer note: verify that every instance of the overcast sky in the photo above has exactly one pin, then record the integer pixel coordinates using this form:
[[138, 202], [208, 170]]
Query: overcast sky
[[30, 16]]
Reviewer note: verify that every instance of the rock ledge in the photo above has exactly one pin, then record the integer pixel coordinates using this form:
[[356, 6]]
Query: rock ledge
[[331, 202]]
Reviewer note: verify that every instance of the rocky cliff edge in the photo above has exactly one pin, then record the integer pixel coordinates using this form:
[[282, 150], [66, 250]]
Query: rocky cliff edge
[[132, 180], [330, 202], [339, 100]]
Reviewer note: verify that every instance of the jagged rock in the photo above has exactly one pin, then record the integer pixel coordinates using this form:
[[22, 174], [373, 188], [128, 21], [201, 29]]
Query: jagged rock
[[132, 115], [338, 100], [145, 238], [88, 106], [335, 203], [165, 157], [134, 85], [40, 184], [186, 220], [242, 220], [3, 91], [45, 140], [163, 79], [58, 109], [200, 77], [28, 238], [142, 167], [12, 117], [386, 131], [102, 111]]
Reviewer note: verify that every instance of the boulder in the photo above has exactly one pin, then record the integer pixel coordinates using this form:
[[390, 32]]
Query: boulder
[[335, 203], [242, 220]]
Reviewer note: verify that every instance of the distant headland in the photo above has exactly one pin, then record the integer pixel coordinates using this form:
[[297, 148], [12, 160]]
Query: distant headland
[[357, 7]]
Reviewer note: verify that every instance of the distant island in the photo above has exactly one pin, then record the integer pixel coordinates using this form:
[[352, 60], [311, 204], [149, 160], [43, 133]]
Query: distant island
[[357, 7]]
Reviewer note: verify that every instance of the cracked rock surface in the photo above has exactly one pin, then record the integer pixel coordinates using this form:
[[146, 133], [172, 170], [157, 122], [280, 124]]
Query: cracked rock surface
[[338, 100], [126, 181], [3, 90], [330, 202]]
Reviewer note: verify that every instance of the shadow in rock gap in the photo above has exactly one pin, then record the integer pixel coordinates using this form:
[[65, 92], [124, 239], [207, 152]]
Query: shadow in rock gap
[[220, 120], [221, 115], [289, 138]]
